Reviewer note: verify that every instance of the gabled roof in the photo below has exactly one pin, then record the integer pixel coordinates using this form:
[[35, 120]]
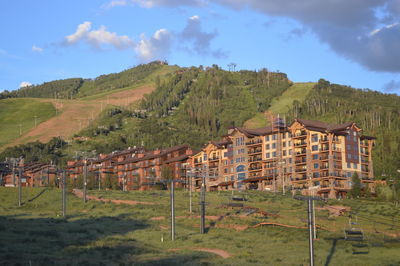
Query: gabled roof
[[322, 126]]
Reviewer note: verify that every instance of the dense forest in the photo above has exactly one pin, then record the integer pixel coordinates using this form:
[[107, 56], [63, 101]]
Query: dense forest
[[194, 105]]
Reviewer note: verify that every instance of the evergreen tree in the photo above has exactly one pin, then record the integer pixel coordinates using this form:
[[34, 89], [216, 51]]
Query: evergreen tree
[[355, 191]]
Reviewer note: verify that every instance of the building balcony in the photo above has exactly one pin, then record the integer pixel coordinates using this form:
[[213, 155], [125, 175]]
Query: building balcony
[[255, 151], [303, 134], [257, 168], [301, 170], [214, 158], [255, 159], [254, 142], [300, 144], [323, 140], [301, 160]]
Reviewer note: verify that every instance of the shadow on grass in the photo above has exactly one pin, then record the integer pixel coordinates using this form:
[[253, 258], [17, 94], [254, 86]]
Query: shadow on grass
[[38, 195], [331, 251], [46, 241]]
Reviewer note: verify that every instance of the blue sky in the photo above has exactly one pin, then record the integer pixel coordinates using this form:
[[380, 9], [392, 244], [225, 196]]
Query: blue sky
[[354, 43]]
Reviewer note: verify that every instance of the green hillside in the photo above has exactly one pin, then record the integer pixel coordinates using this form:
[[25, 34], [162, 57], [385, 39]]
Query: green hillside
[[98, 87], [16, 114], [297, 92]]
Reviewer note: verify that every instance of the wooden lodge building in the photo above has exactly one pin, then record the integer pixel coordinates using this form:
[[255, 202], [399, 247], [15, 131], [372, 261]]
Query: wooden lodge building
[[135, 169], [33, 175], [311, 157]]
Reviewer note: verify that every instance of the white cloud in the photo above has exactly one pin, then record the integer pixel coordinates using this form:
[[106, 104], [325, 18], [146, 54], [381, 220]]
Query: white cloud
[[25, 84], [156, 47], [115, 3], [97, 38], [155, 3], [37, 49]]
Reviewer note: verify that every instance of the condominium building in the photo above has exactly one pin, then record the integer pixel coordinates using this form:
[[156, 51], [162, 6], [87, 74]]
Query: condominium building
[[311, 157]]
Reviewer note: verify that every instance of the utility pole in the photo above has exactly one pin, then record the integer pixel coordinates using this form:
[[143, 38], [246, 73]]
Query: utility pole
[[64, 195], [311, 231], [203, 202], [190, 174], [172, 210], [20, 184], [84, 179], [35, 116]]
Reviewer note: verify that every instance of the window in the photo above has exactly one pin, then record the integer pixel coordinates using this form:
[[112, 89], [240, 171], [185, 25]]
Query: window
[[232, 178], [204, 157], [267, 155], [284, 136], [284, 144], [274, 145], [274, 154], [289, 143], [349, 174], [290, 160], [290, 152], [314, 137], [225, 170], [316, 166], [274, 137], [355, 139], [348, 156], [354, 165], [348, 165], [267, 146], [240, 168], [348, 147], [315, 156], [241, 176], [266, 138], [284, 152], [314, 147]]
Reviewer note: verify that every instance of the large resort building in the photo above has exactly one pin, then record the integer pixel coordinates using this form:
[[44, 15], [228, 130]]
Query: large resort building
[[310, 157], [306, 156]]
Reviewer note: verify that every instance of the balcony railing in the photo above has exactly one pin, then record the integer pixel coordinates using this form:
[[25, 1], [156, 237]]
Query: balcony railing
[[255, 159], [301, 161], [254, 142], [254, 151], [255, 168], [301, 134], [215, 158], [302, 143]]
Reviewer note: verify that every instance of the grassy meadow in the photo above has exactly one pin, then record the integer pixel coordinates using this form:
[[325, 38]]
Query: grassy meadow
[[21, 111], [104, 233]]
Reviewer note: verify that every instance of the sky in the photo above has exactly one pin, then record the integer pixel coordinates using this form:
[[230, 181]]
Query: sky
[[353, 43]]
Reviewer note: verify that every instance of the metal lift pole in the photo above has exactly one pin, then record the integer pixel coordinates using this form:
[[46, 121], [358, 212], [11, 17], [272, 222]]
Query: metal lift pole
[[203, 203], [64, 195], [172, 211], [311, 233], [20, 186]]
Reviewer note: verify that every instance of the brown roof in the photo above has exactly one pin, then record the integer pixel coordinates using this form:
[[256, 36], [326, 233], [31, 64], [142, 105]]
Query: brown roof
[[177, 159], [322, 126]]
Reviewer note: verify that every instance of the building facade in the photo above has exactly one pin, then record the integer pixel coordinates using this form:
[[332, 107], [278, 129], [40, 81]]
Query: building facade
[[311, 157]]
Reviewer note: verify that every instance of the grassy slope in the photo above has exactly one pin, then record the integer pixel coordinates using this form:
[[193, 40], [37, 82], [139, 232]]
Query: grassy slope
[[282, 104], [79, 112], [21, 111], [121, 234]]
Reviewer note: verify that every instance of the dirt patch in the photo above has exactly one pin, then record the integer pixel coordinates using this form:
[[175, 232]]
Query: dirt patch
[[222, 253], [75, 115], [232, 226], [208, 217], [79, 194], [159, 218], [163, 227], [335, 210]]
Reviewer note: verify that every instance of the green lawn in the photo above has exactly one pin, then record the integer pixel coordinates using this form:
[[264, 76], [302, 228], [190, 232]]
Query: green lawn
[[98, 233], [21, 111]]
